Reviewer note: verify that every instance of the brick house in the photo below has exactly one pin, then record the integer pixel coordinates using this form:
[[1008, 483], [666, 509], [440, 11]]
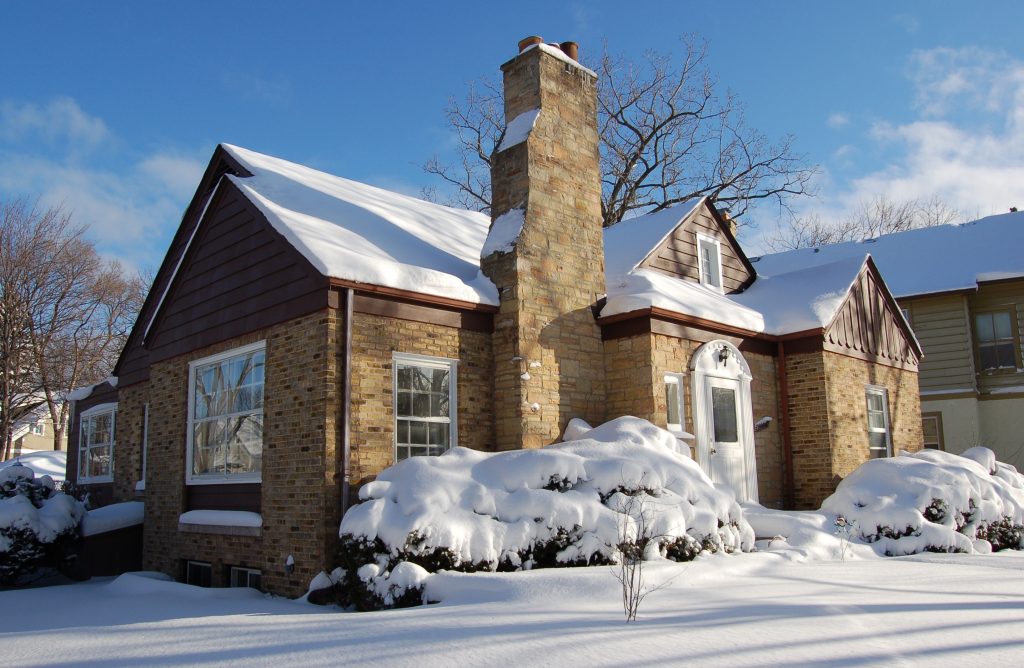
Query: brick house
[[304, 332], [961, 288]]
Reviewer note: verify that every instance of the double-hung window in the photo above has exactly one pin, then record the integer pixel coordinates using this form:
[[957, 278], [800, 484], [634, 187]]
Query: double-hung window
[[425, 405], [879, 432], [995, 340], [709, 261], [225, 436], [96, 444]]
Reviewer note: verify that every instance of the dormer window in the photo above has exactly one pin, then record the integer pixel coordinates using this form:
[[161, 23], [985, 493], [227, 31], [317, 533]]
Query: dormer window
[[709, 258]]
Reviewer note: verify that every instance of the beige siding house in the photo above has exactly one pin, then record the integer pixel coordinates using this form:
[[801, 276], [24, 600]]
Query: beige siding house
[[305, 332], [961, 287]]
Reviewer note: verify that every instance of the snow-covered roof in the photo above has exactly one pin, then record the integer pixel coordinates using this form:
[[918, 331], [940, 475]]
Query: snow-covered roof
[[356, 232], [804, 299], [85, 391], [629, 242], [929, 260], [647, 288], [791, 301]]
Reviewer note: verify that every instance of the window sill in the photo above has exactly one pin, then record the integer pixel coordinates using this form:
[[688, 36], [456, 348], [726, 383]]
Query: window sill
[[223, 522]]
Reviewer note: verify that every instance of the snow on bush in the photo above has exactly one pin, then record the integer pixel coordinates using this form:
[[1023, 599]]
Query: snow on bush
[[933, 501], [563, 505], [37, 522]]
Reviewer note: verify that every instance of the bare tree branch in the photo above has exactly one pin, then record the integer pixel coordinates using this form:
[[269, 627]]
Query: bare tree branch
[[666, 137], [871, 218]]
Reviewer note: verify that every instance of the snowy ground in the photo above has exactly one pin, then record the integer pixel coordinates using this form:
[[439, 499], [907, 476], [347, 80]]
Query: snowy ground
[[752, 609]]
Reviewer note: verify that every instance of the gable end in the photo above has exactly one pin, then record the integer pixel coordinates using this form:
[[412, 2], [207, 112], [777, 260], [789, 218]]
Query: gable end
[[677, 254], [868, 325]]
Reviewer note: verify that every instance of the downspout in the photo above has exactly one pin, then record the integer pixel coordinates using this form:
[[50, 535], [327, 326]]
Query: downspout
[[787, 443], [346, 402]]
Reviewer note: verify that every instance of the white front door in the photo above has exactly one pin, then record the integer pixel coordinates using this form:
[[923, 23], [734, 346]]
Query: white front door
[[726, 461]]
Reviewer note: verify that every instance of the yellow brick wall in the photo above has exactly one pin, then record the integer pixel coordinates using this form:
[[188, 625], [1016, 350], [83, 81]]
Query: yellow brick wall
[[375, 339], [300, 507]]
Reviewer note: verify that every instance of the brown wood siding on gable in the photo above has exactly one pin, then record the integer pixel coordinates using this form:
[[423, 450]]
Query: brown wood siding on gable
[[133, 364], [943, 330], [677, 254], [866, 326], [239, 275]]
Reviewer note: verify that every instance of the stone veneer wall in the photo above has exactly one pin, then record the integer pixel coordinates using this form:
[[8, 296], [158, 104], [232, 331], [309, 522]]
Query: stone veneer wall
[[635, 372], [828, 418], [374, 340], [547, 345], [300, 489]]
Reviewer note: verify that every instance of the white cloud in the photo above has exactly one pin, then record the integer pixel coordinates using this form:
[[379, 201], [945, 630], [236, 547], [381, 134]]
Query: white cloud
[[966, 146], [59, 119], [131, 203], [838, 120]]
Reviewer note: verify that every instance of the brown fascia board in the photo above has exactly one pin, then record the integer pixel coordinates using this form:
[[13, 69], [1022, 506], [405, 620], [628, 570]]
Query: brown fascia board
[[220, 162], [701, 323], [433, 300], [724, 226]]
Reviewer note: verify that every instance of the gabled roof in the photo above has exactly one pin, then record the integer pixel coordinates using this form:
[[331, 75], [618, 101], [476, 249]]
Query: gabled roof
[[356, 232], [628, 243], [931, 260]]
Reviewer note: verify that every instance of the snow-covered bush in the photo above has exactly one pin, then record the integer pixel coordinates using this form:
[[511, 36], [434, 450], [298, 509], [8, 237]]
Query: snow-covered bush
[[37, 522], [562, 505], [933, 501]]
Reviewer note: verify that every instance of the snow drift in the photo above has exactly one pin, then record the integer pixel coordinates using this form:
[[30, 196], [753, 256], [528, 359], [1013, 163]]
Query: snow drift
[[569, 504], [933, 501]]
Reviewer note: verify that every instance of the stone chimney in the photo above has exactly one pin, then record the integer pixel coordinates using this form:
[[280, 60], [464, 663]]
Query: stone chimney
[[545, 251]]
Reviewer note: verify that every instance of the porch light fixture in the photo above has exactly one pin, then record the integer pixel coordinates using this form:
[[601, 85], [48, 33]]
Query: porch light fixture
[[723, 355], [289, 565]]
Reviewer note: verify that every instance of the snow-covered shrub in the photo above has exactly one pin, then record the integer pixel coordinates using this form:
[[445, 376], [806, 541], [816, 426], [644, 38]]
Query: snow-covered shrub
[[37, 523], [933, 501], [557, 506]]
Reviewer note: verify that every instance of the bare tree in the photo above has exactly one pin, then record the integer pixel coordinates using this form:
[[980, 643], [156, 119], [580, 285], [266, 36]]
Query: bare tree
[[871, 218], [666, 137], [639, 538], [66, 313]]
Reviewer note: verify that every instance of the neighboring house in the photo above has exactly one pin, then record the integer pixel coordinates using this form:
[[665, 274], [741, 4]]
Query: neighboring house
[[962, 289], [33, 432], [304, 332]]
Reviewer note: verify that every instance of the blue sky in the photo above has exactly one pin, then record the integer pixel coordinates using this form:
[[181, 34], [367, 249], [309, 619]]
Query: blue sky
[[113, 108]]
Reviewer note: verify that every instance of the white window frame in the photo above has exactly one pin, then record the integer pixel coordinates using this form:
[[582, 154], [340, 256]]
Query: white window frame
[[884, 393], [222, 478], [199, 566], [89, 415], [679, 380], [452, 366], [248, 574], [939, 443], [38, 428], [141, 484], [705, 239]]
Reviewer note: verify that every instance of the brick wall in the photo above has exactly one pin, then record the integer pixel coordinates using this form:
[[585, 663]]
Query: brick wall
[[128, 449], [374, 341], [635, 371], [300, 509], [847, 379], [828, 418]]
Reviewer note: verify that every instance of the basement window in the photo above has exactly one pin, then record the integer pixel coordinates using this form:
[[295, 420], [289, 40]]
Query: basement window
[[225, 415], [198, 573], [879, 430], [709, 261], [931, 430], [239, 576], [425, 405]]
